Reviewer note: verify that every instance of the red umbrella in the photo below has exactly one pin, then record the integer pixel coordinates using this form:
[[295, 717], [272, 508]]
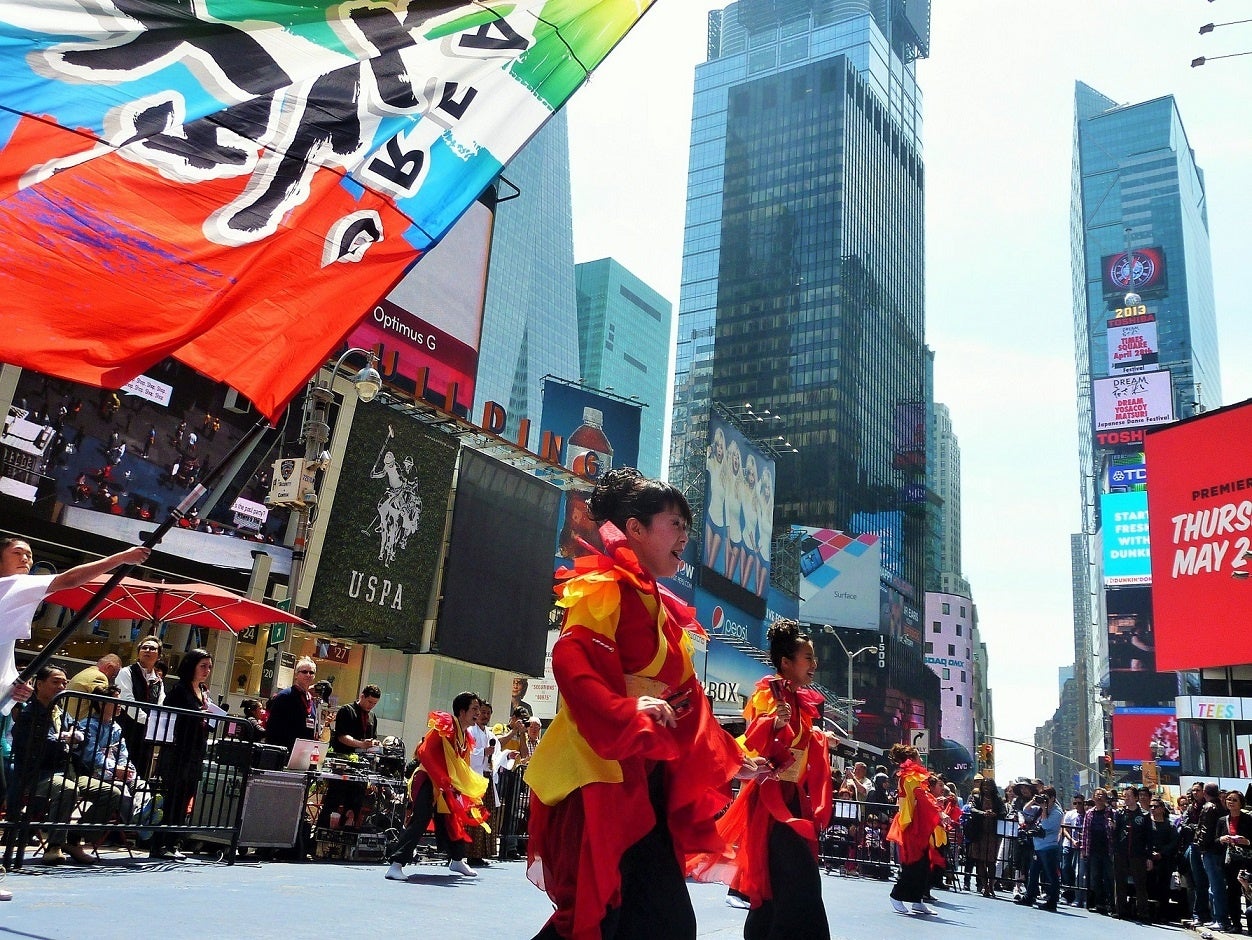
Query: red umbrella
[[199, 605]]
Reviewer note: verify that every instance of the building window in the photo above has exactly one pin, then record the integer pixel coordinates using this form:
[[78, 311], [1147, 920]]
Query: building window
[[935, 627], [951, 649], [958, 629], [947, 608], [958, 701], [930, 647], [963, 679], [947, 673], [962, 610]]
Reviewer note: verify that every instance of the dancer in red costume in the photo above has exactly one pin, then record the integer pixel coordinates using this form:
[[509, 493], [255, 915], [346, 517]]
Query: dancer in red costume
[[911, 829], [444, 786], [627, 780], [775, 821]]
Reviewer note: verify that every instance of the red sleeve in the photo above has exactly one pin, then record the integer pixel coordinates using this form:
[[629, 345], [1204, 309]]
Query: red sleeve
[[589, 674], [430, 753]]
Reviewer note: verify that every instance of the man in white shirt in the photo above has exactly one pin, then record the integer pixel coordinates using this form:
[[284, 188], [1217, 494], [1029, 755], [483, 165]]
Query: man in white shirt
[[482, 757]]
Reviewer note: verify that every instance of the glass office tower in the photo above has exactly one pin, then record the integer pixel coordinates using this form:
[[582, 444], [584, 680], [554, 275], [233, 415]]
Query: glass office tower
[[802, 289], [623, 346], [1146, 353], [530, 315]]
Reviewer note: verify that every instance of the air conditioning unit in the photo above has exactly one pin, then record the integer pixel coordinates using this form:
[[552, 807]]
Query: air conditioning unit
[[236, 402]]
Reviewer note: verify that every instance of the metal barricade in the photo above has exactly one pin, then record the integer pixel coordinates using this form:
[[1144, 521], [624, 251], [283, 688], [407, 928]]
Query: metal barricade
[[88, 765], [855, 842], [513, 812]]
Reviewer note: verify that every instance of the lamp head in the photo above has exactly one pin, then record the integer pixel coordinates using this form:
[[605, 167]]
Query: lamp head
[[368, 382]]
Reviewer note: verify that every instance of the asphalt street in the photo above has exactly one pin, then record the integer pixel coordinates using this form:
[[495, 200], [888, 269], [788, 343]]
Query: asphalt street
[[125, 899]]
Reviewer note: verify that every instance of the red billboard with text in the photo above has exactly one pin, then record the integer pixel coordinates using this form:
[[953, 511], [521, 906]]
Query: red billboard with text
[[1200, 503], [427, 328]]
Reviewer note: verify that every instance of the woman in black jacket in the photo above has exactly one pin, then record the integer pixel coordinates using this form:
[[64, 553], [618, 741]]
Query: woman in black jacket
[[1234, 830], [1163, 854], [181, 760]]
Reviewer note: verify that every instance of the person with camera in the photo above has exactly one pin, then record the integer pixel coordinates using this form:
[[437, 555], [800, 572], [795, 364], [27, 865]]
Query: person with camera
[[1045, 834]]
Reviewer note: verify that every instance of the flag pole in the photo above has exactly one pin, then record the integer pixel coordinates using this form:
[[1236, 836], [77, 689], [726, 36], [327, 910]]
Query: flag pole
[[150, 540]]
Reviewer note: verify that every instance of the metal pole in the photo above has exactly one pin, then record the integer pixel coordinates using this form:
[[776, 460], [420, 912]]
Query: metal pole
[[151, 540], [851, 709]]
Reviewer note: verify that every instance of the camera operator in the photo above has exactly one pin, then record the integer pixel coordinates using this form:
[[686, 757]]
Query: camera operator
[[1045, 833]]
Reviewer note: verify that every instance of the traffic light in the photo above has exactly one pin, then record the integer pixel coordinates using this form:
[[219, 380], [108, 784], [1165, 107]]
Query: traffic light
[[985, 752], [1106, 765]]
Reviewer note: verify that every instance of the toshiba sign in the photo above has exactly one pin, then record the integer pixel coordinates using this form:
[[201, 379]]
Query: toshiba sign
[[1200, 504]]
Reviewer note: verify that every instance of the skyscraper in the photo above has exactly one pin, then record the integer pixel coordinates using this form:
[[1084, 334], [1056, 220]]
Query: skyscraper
[[1145, 347], [802, 287], [943, 470], [530, 316], [624, 331]]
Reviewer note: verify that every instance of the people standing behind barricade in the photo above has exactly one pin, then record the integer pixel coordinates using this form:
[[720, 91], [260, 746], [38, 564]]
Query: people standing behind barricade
[[103, 755], [1045, 863], [252, 728], [1235, 836], [483, 840], [180, 761], [1189, 833], [293, 711], [512, 816], [773, 826], [912, 830], [354, 733], [1130, 854], [47, 784], [880, 798], [140, 683], [1163, 856], [1073, 867], [1024, 810], [93, 680], [1097, 849], [985, 811], [444, 787], [860, 781]]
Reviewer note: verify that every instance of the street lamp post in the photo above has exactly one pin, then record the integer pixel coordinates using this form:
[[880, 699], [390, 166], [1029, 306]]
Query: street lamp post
[[828, 629], [316, 434]]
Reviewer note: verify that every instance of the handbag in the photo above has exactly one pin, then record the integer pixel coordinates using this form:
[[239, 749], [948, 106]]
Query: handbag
[[1239, 855]]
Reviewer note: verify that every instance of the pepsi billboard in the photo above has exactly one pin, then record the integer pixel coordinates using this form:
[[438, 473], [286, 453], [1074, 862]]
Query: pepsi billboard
[[725, 621]]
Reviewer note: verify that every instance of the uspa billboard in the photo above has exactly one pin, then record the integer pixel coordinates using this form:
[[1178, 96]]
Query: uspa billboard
[[839, 577], [1133, 347], [427, 328], [1131, 401], [1127, 550], [1139, 270], [738, 508], [384, 530], [1201, 494]]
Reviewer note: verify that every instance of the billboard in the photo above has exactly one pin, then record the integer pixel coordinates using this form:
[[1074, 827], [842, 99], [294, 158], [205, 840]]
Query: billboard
[[1134, 730], [738, 508], [909, 429], [1128, 401], [1133, 347], [1127, 551], [1132, 649], [1139, 270], [889, 527], [116, 458], [503, 523], [385, 525], [587, 432], [723, 620], [1126, 472], [839, 577], [427, 328], [1202, 492]]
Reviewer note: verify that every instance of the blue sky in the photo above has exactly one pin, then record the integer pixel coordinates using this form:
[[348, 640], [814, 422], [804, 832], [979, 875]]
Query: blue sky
[[998, 92]]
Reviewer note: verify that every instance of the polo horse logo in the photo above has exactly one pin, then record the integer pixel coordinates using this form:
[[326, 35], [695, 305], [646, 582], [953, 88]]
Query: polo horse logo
[[400, 507]]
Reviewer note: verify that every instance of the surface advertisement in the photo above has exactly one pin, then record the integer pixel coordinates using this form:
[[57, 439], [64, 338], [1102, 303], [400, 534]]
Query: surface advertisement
[[839, 577], [738, 508], [1127, 401], [427, 329], [1127, 550], [1201, 472], [386, 525], [1134, 730], [1139, 270], [1133, 347]]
